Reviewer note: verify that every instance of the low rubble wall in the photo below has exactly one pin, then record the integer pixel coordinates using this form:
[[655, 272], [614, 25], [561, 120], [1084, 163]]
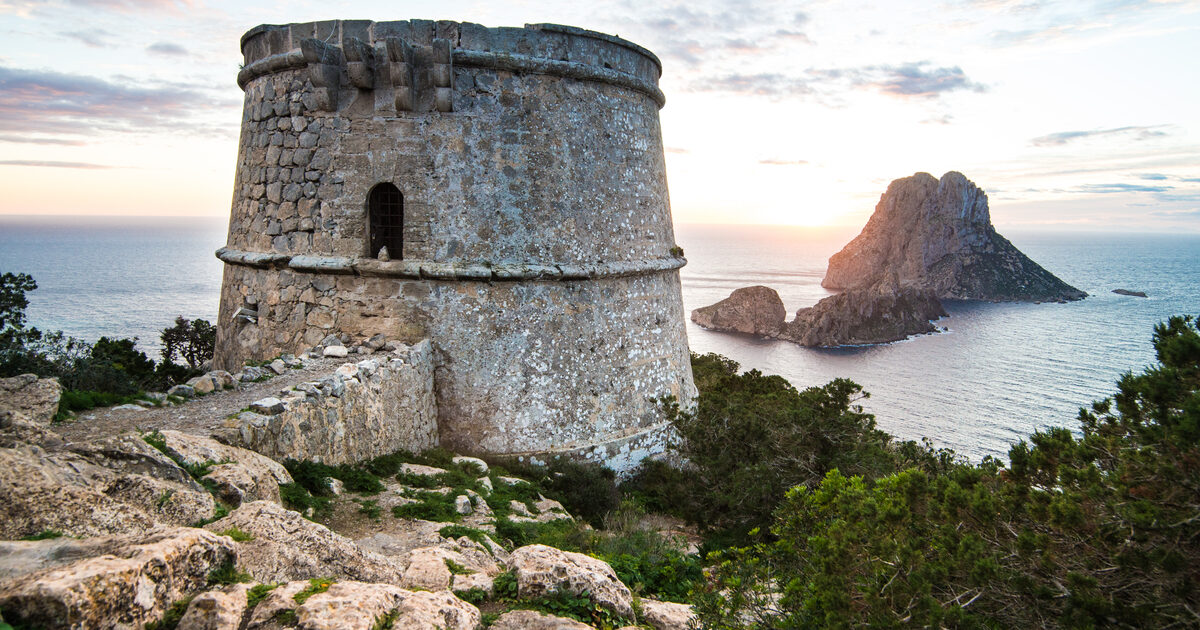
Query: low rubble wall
[[376, 406]]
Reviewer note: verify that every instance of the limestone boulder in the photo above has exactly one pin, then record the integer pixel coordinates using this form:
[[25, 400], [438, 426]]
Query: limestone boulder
[[129, 581], [358, 606], [216, 610], [535, 620], [542, 570], [242, 475], [753, 310], [17, 429], [129, 453], [286, 547], [42, 491], [35, 397], [666, 615], [167, 502], [279, 600]]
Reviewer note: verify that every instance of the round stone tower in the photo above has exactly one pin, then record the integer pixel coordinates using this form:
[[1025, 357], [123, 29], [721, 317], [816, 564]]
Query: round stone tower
[[498, 191]]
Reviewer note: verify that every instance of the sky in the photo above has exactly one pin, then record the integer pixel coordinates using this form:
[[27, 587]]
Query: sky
[[1071, 115]]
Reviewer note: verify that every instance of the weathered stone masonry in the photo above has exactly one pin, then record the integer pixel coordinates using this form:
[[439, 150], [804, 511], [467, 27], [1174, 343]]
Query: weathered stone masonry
[[538, 252]]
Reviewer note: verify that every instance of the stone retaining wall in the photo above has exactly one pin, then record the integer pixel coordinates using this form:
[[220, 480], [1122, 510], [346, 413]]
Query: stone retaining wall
[[374, 407]]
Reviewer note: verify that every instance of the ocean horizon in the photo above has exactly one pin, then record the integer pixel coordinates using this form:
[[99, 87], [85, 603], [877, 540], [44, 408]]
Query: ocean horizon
[[998, 372]]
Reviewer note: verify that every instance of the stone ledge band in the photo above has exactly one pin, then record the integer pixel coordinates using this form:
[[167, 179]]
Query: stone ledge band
[[472, 271], [294, 60]]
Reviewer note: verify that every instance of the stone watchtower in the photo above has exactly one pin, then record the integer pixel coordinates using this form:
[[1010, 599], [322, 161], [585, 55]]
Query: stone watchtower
[[498, 191]]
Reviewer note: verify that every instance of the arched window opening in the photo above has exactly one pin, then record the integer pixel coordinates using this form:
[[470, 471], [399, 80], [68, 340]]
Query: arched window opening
[[385, 211]]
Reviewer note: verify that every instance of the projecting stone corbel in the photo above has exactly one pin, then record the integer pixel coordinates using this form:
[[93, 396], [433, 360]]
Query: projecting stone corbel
[[443, 76], [400, 73], [360, 63], [324, 70]]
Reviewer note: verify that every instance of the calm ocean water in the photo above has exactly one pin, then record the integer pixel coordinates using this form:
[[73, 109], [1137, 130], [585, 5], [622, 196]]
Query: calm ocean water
[[1000, 372]]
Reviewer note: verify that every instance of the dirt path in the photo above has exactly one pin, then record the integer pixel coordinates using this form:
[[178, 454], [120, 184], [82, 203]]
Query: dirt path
[[199, 415]]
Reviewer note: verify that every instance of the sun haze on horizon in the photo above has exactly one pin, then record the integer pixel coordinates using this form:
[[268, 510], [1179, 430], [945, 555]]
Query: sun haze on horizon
[[1075, 117]]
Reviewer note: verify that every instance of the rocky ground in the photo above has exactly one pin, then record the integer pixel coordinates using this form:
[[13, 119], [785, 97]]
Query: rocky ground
[[138, 519]]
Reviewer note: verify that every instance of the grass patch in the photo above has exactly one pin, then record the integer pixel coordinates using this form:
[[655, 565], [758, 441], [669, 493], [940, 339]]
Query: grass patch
[[219, 512], [474, 596], [371, 508], [171, 616], [296, 497], [387, 620], [458, 531], [74, 401], [314, 477], [45, 534], [257, 593], [430, 506], [315, 585], [228, 573], [237, 535], [456, 568]]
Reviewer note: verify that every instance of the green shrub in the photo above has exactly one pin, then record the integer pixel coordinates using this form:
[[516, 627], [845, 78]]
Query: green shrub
[[191, 341], [1093, 530], [752, 437]]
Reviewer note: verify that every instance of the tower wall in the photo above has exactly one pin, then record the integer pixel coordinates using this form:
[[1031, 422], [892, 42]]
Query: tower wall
[[538, 252]]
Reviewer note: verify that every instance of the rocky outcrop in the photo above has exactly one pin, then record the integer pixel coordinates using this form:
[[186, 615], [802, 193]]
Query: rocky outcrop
[[882, 313], [753, 310], [542, 570], [216, 610], [374, 407], [35, 397], [1130, 293], [239, 475], [356, 605], [666, 615], [94, 490], [286, 546], [123, 582], [535, 620], [938, 234]]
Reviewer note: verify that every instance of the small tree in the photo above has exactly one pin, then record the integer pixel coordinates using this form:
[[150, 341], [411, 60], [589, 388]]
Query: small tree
[[192, 341]]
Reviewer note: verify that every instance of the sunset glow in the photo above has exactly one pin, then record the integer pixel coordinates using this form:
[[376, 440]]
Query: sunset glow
[[1076, 115]]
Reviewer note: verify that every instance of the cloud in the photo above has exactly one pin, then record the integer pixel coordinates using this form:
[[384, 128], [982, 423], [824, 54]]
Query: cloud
[[1156, 177], [1063, 137], [915, 80], [782, 162], [911, 80], [676, 150], [760, 84], [95, 38], [167, 48], [47, 102], [52, 164], [130, 6], [36, 140], [698, 36], [1177, 214], [1122, 188]]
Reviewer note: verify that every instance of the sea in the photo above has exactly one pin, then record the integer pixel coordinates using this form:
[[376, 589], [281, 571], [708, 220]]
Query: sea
[[997, 373]]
